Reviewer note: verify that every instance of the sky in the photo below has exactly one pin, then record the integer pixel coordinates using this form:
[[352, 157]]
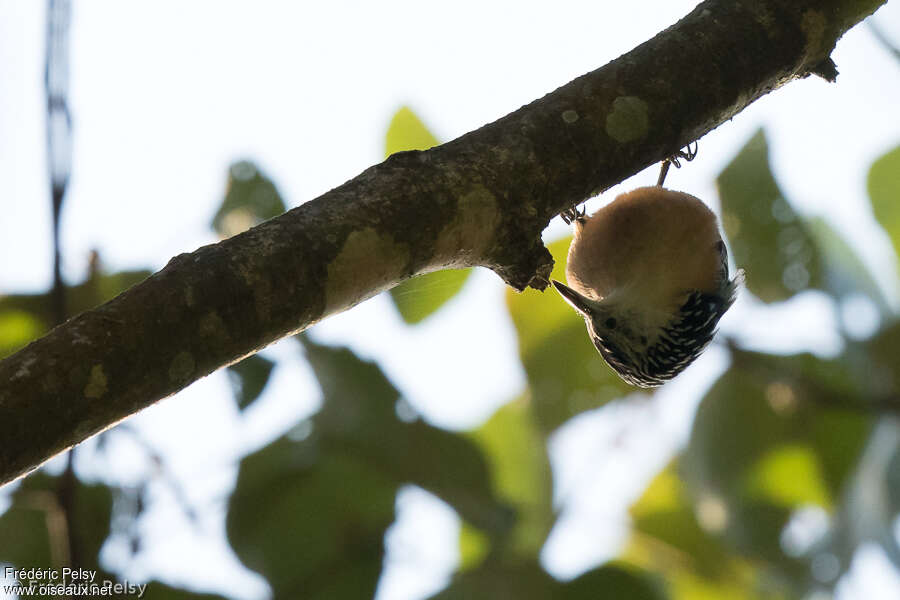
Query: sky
[[165, 95]]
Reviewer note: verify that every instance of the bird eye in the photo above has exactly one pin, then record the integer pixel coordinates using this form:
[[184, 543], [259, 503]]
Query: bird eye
[[610, 323]]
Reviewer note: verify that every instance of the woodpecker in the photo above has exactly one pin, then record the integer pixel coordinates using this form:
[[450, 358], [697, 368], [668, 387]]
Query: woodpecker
[[649, 274]]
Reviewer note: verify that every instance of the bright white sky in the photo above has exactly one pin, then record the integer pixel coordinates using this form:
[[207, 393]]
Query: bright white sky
[[165, 94]]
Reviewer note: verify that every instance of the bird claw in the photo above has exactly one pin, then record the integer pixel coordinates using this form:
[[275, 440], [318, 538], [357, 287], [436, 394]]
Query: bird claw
[[572, 215], [687, 155]]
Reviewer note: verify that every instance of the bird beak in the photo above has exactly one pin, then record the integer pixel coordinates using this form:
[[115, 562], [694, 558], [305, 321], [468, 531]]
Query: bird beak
[[581, 304]]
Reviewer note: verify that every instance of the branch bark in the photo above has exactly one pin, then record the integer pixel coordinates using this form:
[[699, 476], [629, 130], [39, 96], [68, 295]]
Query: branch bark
[[482, 199]]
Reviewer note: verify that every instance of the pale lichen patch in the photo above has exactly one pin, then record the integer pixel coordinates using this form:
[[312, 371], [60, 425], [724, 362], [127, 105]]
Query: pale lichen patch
[[629, 119], [468, 235], [212, 326], [569, 116], [80, 338], [97, 383], [189, 298], [181, 366], [368, 263], [24, 369]]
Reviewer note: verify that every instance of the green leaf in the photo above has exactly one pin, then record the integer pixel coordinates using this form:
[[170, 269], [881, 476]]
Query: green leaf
[[527, 581], [93, 514], [686, 586], [773, 434], [824, 403], [734, 426], [17, 328], [845, 273], [754, 531], [249, 378], [33, 312], [492, 580], [566, 374], [421, 296], [23, 530], [838, 438], [250, 199], [696, 563], [157, 590], [360, 414], [789, 475], [765, 403], [311, 522], [310, 513], [767, 238], [407, 132], [884, 191], [614, 580], [32, 530], [520, 468], [880, 359], [666, 532], [474, 547], [868, 515]]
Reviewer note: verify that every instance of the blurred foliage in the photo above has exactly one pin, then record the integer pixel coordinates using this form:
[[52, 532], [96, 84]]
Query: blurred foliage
[[250, 198], [36, 521], [845, 274], [781, 251], [520, 468], [157, 590], [775, 439], [330, 484], [420, 296], [527, 581], [406, 131], [695, 563], [249, 378], [768, 238], [17, 328], [884, 189], [24, 317]]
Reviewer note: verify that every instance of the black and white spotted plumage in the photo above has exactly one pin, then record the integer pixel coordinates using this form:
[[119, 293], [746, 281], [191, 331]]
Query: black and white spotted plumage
[[649, 275], [676, 346], [680, 342]]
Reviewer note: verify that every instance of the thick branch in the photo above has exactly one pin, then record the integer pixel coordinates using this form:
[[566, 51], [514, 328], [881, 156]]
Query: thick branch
[[482, 199]]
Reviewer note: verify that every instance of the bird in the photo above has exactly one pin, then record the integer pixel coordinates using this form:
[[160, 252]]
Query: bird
[[648, 272]]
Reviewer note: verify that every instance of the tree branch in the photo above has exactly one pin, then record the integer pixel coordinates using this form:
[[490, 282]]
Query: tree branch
[[482, 199]]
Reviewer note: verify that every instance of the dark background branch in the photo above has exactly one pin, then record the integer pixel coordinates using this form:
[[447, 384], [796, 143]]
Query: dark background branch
[[59, 161]]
